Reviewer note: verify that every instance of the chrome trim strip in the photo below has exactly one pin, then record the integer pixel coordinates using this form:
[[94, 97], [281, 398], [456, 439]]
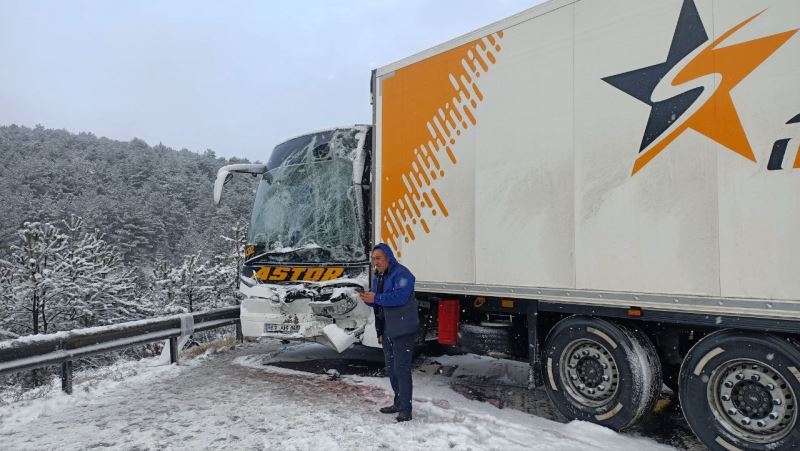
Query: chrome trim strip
[[602, 335], [726, 445], [702, 363], [795, 372], [609, 414], [550, 374]]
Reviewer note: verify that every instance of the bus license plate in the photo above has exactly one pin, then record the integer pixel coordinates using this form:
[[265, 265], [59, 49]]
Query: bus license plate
[[282, 328]]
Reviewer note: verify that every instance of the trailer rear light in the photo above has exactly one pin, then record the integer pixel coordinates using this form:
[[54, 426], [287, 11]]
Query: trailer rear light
[[635, 311], [507, 303], [448, 321]]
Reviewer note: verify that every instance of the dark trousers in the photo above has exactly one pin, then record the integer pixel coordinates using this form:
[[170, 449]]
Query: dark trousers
[[399, 354]]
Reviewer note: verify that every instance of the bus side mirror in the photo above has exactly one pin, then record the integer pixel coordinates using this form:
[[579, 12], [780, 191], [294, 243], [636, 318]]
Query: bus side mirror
[[225, 174], [223, 177]]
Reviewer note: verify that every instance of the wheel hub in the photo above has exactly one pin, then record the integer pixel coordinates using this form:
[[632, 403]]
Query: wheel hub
[[752, 401], [589, 373]]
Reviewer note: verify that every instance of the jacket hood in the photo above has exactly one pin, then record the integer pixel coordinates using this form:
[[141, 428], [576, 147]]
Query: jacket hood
[[389, 254]]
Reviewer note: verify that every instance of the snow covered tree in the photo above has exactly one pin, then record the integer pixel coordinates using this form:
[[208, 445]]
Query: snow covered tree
[[160, 287], [197, 284], [233, 254], [98, 289], [33, 271], [150, 201], [63, 280], [192, 285], [6, 298], [222, 277]]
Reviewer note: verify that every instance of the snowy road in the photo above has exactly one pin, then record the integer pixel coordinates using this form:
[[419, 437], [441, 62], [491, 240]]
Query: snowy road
[[231, 400]]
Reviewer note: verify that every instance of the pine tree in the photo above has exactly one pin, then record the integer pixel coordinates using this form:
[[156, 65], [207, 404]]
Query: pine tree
[[160, 287], [100, 291], [233, 254], [6, 303], [33, 270], [151, 202], [65, 280], [192, 283]]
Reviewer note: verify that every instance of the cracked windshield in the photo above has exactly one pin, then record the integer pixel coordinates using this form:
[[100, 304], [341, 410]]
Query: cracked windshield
[[307, 212]]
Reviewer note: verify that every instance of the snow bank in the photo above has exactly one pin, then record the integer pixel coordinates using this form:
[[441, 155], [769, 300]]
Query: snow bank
[[88, 386]]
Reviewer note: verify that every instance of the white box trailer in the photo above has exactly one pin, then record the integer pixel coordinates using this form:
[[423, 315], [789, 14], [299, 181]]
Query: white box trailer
[[622, 176]]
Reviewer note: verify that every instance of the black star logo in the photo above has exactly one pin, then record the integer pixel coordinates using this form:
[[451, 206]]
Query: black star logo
[[689, 35]]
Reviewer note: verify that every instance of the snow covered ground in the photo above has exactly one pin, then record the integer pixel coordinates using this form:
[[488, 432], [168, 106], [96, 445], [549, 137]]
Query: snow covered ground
[[232, 400]]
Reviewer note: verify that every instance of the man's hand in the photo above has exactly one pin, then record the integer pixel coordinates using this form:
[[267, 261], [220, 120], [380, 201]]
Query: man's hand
[[368, 297], [380, 339]]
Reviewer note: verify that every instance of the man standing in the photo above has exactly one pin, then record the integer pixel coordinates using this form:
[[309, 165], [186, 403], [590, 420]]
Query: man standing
[[397, 323]]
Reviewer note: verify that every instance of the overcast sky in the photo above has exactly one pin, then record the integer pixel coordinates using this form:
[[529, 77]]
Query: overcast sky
[[233, 76]]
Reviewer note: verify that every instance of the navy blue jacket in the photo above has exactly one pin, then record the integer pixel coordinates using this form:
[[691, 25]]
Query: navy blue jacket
[[396, 300]]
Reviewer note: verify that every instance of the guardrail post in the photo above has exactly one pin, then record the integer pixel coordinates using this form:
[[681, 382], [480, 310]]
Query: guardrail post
[[239, 335], [66, 377], [173, 350]]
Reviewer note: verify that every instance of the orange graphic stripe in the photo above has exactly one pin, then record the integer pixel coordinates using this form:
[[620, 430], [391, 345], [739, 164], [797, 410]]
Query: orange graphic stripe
[[658, 147], [439, 202], [426, 108], [797, 158]]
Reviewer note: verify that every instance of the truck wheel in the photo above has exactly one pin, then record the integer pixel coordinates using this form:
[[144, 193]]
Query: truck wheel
[[420, 342], [601, 372], [485, 340], [424, 327], [738, 391]]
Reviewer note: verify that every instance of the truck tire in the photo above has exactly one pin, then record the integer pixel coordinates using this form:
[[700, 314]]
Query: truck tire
[[738, 391], [601, 372], [485, 340], [420, 342]]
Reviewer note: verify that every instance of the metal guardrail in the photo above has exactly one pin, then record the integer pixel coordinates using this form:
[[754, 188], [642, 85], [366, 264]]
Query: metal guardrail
[[38, 351]]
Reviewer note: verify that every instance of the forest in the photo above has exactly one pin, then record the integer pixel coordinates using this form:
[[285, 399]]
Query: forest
[[95, 231]]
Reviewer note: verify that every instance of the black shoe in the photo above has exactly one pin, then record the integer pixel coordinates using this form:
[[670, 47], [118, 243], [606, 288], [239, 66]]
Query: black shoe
[[389, 409], [403, 417]]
